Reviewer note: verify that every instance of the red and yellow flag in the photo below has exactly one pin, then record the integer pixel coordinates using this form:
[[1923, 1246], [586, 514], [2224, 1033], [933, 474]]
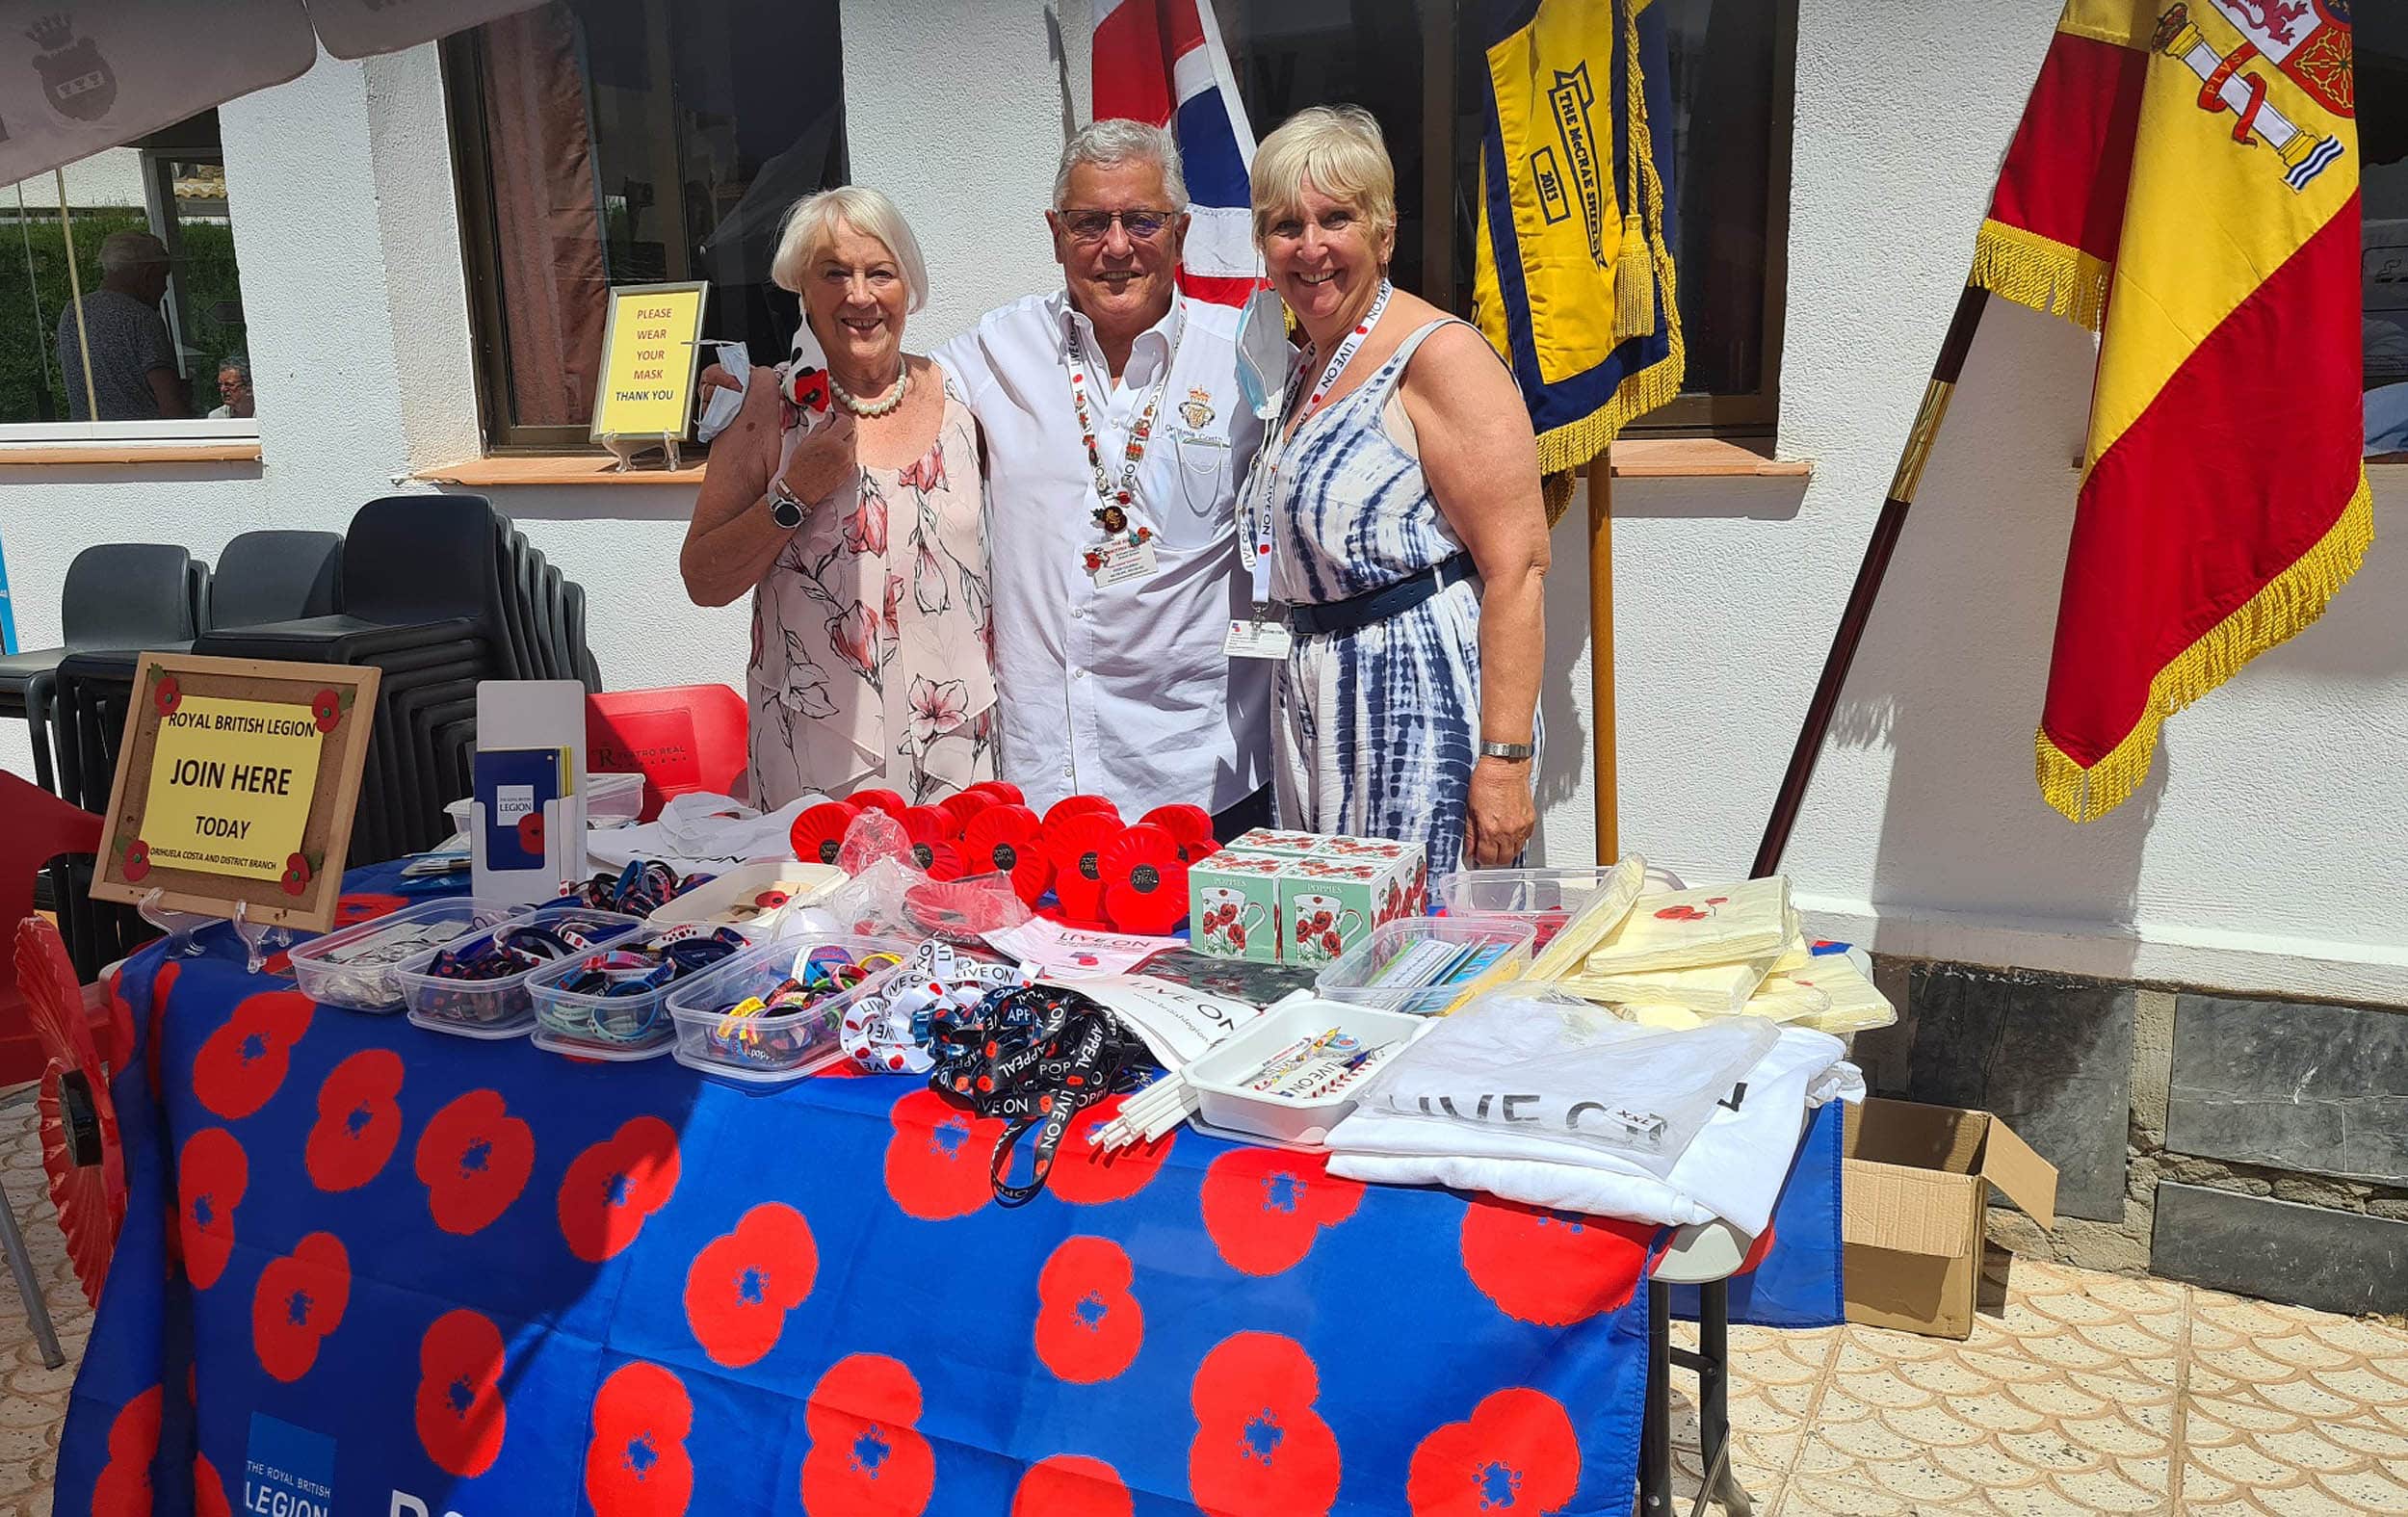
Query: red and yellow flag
[[2184, 183]]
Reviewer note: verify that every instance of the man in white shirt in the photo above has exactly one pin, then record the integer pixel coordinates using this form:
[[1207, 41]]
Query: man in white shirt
[[1116, 439]]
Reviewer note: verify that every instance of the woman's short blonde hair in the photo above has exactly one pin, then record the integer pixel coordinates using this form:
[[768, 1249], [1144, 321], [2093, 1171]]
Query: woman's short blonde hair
[[1339, 148], [810, 227]]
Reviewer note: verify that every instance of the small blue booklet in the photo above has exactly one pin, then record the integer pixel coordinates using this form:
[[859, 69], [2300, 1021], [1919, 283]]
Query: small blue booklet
[[514, 786]]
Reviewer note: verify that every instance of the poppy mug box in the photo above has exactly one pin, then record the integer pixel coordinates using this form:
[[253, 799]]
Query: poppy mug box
[[1281, 904]]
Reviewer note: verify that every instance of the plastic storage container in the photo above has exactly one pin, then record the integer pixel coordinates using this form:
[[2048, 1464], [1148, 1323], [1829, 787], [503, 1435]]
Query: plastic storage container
[[1427, 966], [1544, 899], [609, 1027], [496, 1007], [1220, 1079], [735, 898], [771, 1048], [610, 801], [354, 968]]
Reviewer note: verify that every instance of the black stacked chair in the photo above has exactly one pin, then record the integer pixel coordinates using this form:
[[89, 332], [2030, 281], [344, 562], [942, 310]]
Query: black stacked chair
[[116, 596]]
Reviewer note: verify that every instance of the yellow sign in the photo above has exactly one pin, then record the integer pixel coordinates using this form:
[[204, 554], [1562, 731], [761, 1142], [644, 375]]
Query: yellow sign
[[649, 360], [231, 783]]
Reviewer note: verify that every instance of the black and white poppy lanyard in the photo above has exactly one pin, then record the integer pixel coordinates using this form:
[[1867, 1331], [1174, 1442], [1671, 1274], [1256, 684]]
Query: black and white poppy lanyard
[[1266, 478], [1113, 499], [1035, 1056]]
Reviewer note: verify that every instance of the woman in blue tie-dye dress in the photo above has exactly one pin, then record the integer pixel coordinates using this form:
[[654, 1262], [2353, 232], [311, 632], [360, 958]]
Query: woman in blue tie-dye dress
[[1401, 509]]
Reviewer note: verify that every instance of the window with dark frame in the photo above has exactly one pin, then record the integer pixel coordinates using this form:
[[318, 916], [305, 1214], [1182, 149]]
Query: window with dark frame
[[602, 142], [2380, 44], [1732, 64]]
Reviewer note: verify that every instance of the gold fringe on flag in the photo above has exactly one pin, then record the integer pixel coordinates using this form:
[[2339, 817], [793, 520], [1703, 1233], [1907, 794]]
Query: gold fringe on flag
[[2288, 604], [2041, 272]]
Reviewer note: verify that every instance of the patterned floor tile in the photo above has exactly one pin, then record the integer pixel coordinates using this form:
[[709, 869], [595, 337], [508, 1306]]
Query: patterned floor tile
[[32, 1399]]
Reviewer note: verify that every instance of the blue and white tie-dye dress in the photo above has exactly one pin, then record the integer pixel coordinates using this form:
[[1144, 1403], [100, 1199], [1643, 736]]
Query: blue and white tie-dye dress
[[1376, 727]]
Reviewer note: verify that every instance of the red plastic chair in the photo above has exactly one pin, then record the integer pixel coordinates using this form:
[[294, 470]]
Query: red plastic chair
[[679, 738], [36, 826]]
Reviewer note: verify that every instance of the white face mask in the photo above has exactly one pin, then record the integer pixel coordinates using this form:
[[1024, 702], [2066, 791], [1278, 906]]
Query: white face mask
[[1264, 353]]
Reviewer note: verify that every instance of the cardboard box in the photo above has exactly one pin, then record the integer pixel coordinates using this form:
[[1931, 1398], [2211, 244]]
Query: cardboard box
[[1916, 1186], [1299, 898], [1233, 905], [1330, 901]]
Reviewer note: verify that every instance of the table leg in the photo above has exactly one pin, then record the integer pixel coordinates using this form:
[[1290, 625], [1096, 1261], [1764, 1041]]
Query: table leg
[[1713, 1397], [29, 1286], [1655, 1432]]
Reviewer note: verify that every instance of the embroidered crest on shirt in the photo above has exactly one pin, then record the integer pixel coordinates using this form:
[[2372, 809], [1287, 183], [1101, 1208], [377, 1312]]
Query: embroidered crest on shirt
[[1196, 410]]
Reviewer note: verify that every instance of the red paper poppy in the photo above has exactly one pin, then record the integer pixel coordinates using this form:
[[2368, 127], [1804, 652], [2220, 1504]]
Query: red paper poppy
[[1006, 838], [122, 1488], [474, 1159], [299, 1300], [1071, 1485], [366, 906], [887, 801], [297, 873], [530, 833], [1145, 880], [1265, 1206], [460, 1415], [327, 707], [1551, 1268], [866, 1459], [359, 1122], [1189, 823], [965, 806], [167, 694], [636, 1464], [742, 1284], [243, 1063], [612, 1187], [208, 1490], [1518, 1452], [1078, 806], [936, 1162], [211, 1174], [1004, 792], [929, 824], [1076, 843], [817, 834], [1088, 1326], [137, 861], [1260, 1450], [940, 860], [1084, 1175]]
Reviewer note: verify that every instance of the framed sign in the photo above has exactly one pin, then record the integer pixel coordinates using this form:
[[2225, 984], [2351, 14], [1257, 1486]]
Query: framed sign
[[237, 781], [651, 355]]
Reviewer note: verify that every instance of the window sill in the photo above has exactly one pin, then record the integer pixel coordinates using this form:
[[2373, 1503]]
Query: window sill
[[554, 468], [1636, 458], [128, 455]]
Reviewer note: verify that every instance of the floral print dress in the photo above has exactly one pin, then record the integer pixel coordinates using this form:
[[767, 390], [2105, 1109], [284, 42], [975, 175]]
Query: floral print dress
[[871, 634]]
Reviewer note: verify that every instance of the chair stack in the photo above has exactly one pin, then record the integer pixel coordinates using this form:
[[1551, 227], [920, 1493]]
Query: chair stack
[[117, 596]]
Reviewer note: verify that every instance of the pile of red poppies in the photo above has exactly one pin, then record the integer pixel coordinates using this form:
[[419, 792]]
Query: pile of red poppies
[[1100, 871]]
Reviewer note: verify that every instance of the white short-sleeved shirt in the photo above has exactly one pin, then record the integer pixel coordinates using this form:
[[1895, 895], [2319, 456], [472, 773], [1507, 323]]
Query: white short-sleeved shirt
[[1123, 693]]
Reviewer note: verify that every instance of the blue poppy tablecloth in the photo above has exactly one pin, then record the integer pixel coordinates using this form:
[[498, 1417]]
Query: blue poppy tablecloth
[[371, 1269]]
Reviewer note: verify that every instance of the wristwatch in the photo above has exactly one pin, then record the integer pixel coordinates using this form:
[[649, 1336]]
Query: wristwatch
[[1508, 750], [784, 509]]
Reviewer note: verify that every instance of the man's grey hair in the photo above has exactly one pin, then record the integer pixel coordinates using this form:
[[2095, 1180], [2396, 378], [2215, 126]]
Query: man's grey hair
[[1115, 140], [122, 253]]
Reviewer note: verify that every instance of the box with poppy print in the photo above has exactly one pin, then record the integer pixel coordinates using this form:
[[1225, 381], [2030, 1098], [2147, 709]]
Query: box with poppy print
[[1329, 902], [1288, 845], [1233, 905]]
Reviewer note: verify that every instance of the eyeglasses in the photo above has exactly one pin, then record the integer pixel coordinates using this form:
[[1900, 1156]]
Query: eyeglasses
[[1090, 227]]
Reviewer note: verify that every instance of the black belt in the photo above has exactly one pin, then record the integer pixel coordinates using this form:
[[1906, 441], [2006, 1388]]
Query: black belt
[[1389, 600]]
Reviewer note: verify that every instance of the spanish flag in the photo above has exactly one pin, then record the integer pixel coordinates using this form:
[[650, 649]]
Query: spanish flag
[[2184, 183], [1573, 278]]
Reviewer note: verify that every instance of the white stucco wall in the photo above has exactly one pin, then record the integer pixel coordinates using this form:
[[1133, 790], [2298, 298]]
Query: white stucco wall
[[2260, 855]]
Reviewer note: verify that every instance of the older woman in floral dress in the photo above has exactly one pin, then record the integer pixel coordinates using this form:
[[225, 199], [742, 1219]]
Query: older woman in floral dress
[[862, 539]]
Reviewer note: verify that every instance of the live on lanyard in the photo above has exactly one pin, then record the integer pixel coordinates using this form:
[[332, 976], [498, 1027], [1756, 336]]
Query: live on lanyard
[[1263, 637], [1125, 553]]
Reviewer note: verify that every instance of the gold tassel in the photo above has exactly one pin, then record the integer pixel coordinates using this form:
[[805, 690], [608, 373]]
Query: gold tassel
[[1634, 283]]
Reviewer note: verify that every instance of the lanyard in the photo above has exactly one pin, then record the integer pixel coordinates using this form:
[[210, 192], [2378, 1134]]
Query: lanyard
[[1113, 500], [1266, 480]]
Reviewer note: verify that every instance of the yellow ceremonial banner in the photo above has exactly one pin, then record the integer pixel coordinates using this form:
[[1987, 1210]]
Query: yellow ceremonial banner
[[231, 783], [650, 356]]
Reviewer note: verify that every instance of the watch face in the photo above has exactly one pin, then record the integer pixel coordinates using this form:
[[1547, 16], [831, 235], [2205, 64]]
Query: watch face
[[785, 512]]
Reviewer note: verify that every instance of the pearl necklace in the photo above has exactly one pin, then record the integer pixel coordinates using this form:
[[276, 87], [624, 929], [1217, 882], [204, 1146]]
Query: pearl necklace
[[883, 406]]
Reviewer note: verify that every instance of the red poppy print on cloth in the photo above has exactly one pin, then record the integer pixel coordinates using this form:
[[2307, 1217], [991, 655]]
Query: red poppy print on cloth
[[1259, 1449], [1088, 1326], [612, 1187], [211, 1174], [299, 1300], [244, 1063], [742, 1284], [637, 1465], [160, 984], [359, 1121], [122, 1488], [1551, 1268], [865, 1457], [936, 1162], [1517, 1452], [474, 1159], [1263, 1206], [366, 906], [1084, 1175], [1071, 1485], [459, 1412], [208, 1490]]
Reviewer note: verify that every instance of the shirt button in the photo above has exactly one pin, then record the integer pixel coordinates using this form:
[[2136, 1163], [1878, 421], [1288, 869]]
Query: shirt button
[[1080, 674]]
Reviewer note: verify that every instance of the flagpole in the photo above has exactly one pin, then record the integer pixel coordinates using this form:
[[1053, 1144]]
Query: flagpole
[[1868, 575], [1600, 654]]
